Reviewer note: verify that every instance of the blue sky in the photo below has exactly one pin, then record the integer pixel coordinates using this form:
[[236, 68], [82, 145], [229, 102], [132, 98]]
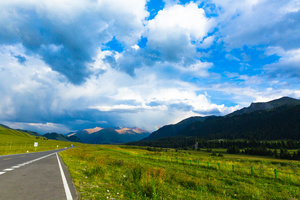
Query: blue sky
[[68, 65]]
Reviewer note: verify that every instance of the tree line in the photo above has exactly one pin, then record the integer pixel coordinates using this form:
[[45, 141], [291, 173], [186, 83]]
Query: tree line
[[189, 142], [264, 151]]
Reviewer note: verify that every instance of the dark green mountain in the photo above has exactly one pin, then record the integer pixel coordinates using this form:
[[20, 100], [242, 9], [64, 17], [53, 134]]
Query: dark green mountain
[[73, 138], [277, 123], [274, 120], [173, 129], [60, 137]]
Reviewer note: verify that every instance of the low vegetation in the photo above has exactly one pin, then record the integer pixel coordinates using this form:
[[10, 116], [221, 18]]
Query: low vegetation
[[125, 172]]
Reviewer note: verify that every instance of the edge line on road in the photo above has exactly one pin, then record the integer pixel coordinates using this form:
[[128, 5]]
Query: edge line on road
[[65, 183], [26, 163]]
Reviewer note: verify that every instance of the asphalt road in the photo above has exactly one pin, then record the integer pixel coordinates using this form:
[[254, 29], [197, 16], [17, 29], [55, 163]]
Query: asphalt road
[[31, 176]]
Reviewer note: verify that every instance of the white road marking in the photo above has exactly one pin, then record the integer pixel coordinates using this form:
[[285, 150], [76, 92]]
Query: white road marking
[[66, 186], [8, 170], [26, 163]]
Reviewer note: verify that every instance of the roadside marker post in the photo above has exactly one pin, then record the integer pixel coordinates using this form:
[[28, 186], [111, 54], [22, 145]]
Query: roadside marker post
[[35, 145]]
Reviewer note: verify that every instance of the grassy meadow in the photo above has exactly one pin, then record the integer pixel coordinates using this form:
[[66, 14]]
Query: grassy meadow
[[128, 172], [13, 142], [123, 172]]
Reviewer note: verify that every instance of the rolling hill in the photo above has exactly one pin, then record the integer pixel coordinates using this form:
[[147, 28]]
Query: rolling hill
[[13, 141], [30, 132]]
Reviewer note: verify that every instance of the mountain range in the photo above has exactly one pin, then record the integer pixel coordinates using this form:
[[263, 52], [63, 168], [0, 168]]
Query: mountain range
[[100, 135], [61, 137], [173, 129], [273, 120]]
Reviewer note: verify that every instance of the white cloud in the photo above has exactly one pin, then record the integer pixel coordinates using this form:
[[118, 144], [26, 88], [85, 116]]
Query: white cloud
[[35, 95], [136, 47], [199, 69], [174, 28], [207, 42], [259, 23], [188, 20], [287, 65]]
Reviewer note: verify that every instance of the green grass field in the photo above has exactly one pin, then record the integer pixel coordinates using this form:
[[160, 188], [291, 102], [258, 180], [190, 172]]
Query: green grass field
[[127, 172], [13, 142], [120, 172]]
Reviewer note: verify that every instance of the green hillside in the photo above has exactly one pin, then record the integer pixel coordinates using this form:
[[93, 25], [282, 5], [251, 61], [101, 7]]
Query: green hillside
[[60, 137], [174, 129], [11, 132], [13, 141], [29, 132], [276, 124]]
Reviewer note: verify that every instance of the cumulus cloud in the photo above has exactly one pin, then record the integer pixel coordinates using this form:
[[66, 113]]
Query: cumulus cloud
[[174, 30], [287, 65], [77, 65], [173, 36], [36, 97], [67, 35], [267, 22]]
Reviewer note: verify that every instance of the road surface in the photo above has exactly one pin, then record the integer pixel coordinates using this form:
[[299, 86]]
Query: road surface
[[31, 176]]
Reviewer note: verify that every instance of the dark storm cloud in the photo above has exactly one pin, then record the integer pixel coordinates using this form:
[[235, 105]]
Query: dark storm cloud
[[64, 48]]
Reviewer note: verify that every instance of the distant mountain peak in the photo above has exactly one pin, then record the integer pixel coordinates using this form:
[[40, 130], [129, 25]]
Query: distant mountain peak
[[93, 130], [100, 135], [130, 130], [256, 106], [278, 102]]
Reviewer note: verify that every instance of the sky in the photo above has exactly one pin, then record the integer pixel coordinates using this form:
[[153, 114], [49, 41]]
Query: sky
[[68, 65]]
